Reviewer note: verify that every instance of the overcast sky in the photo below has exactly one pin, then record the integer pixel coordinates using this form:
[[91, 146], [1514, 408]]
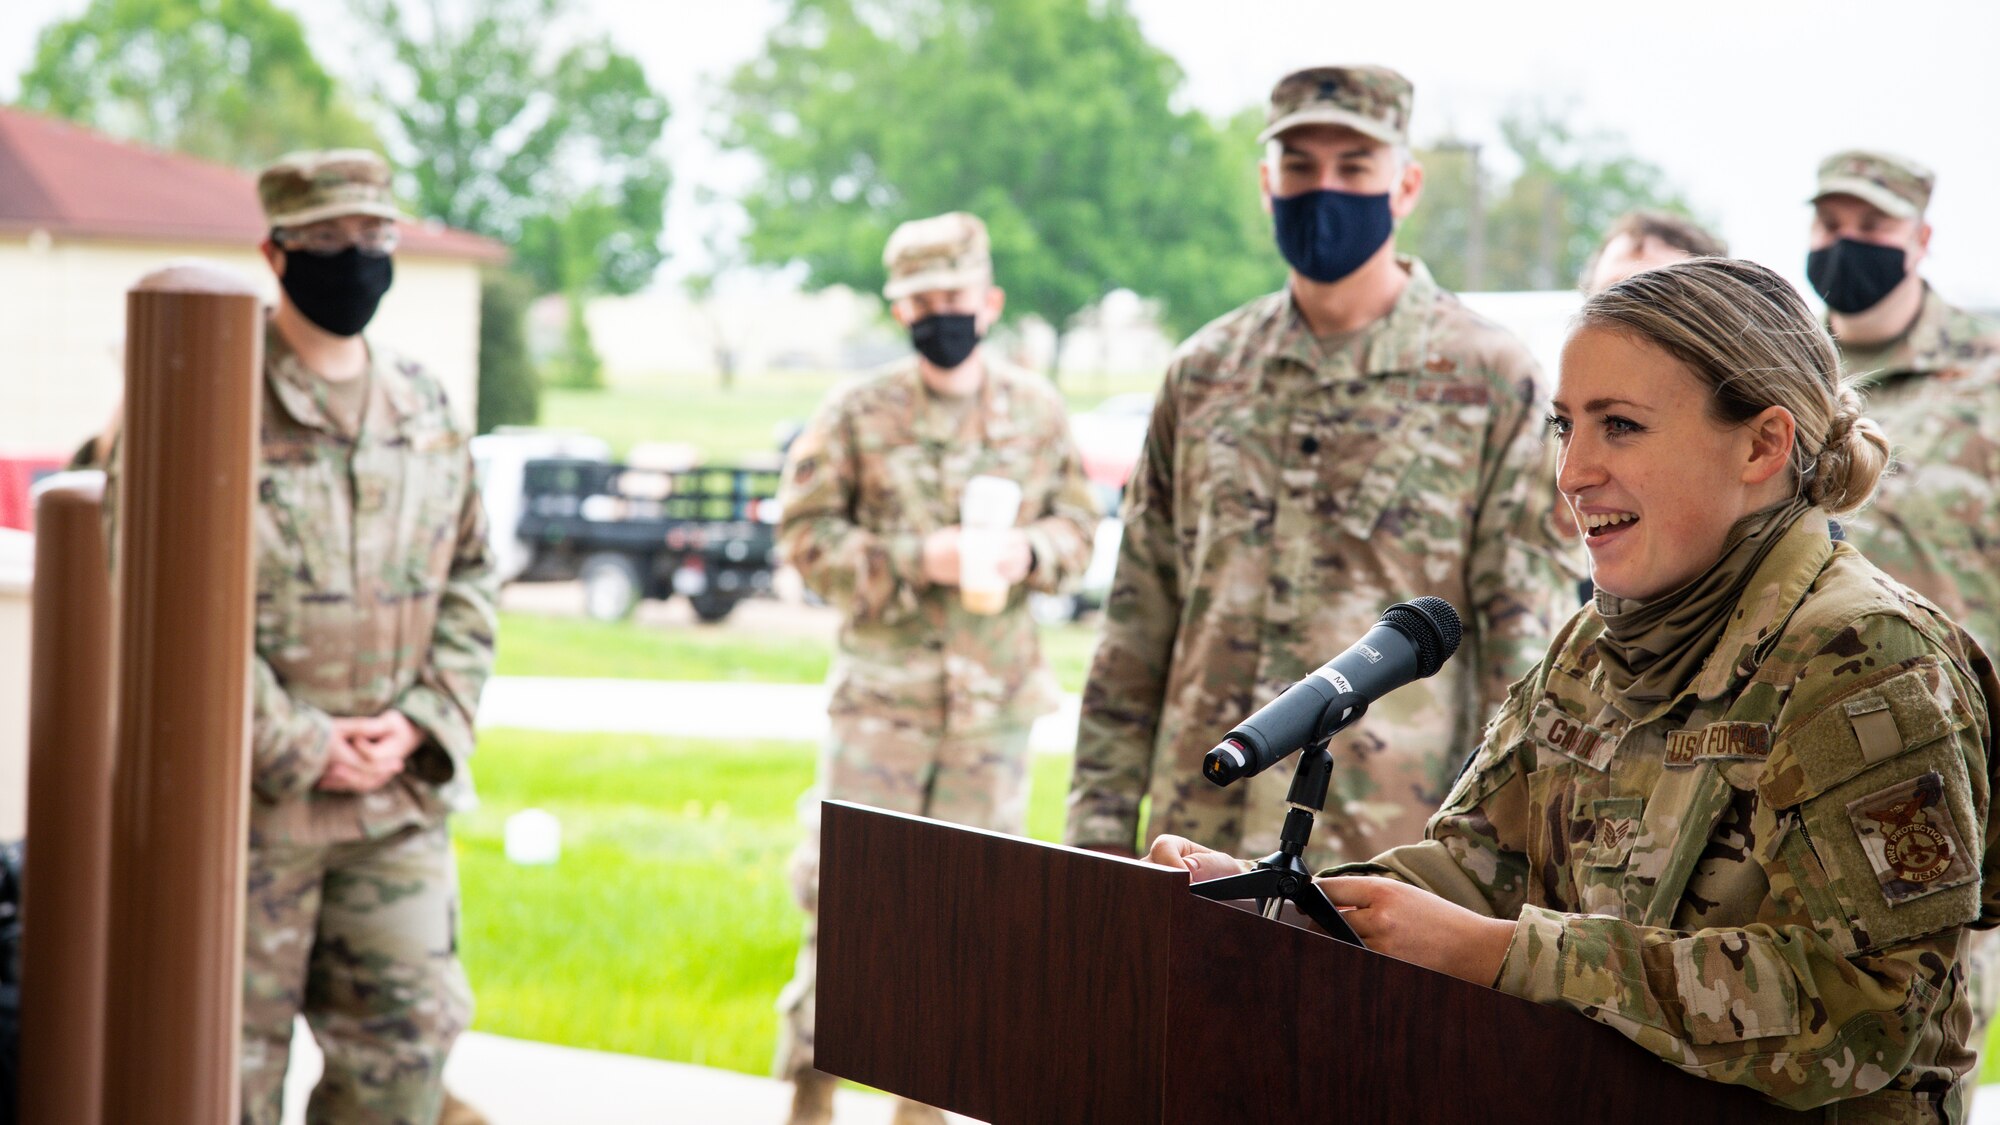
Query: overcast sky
[[1736, 99]]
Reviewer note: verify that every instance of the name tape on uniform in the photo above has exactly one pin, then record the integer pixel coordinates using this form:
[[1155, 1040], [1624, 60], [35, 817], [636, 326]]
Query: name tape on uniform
[[1719, 741], [1572, 737]]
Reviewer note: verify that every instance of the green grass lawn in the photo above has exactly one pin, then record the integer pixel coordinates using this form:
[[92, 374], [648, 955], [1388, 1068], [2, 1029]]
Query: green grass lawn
[[668, 926], [1068, 649], [538, 645], [724, 425], [729, 425]]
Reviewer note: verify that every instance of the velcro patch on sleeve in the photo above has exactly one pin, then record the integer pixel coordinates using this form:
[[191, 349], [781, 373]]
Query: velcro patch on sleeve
[[1572, 737], [1729, 740], [1906, 832], [1874, 724], [1834, 742]]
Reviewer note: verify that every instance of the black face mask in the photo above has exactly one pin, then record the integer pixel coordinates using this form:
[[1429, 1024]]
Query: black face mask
[[338, 292], [946, 339], [1852, 276], [1327, 235]]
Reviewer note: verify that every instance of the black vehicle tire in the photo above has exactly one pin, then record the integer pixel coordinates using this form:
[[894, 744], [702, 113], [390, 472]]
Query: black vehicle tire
[[712, 607], [612, 585]]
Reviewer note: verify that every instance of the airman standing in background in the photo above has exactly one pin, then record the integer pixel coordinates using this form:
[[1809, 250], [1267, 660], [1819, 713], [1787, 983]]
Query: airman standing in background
[[1355, 440], [939, 674]]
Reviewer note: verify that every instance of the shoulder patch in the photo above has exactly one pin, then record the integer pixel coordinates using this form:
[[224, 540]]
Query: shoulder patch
[[1906, 832], [1571, 737]]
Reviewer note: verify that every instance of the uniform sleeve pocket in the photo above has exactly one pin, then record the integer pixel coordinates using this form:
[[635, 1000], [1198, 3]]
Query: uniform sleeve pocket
[[1895, 843], [1734, 988], [1885, 804], [1884, 717]]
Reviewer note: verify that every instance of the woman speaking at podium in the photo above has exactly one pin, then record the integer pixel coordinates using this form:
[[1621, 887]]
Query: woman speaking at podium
[[1739, 811]]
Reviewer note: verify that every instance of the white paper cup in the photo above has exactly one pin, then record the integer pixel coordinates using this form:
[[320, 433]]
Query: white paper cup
[[989, 502]]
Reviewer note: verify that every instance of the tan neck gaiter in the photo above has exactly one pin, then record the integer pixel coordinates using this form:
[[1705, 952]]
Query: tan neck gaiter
[[1652, 650]]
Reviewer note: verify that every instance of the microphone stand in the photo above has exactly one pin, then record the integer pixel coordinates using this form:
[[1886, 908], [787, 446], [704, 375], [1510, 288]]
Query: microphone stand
[[1283, 876]]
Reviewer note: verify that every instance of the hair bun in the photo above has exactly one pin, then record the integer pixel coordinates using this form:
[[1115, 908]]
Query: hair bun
[[1851, 461]]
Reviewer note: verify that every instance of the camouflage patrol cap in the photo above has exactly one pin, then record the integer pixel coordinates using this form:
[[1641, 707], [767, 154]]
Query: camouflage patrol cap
[[1897, 185], [1372, 100], [305, 187], [948, 251]]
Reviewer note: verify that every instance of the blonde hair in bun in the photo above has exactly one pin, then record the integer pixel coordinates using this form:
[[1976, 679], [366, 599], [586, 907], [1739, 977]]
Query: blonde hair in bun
[[1850, 462], [1748, 334]]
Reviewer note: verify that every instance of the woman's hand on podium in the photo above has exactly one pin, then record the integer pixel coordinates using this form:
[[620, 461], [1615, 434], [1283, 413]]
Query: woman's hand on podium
[[1414, 925], [1199, 862]]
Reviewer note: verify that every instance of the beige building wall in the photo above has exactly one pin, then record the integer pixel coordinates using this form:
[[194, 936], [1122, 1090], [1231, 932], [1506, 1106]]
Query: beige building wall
[[62, 328]]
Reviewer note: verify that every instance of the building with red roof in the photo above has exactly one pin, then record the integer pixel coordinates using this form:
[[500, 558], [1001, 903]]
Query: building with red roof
[[83, 216]]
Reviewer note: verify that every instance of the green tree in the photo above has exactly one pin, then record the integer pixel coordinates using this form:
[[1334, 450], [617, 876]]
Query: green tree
[[511, 121], [509, 394], [1053, 120], [225, 80], [1536, 230]]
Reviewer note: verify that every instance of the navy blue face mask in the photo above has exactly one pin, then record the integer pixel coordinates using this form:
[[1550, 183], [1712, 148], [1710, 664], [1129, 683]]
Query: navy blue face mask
[[1326, 235]]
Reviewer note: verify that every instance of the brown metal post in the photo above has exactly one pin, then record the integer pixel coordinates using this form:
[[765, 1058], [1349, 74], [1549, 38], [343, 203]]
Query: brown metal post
[[186, 483], [69, 810]]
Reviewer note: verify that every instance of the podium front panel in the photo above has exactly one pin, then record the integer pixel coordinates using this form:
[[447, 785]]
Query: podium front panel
[[1305, 1028], [996, 977]]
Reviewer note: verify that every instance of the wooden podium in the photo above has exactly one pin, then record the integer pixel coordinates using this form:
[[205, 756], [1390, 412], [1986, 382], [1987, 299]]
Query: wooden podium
[[1023, 983]]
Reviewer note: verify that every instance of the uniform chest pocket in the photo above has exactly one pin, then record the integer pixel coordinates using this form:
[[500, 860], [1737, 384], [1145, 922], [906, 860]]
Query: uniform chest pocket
[[1408, 460], [301, 532], [891, 487], [1614, 824], [301, 526], [1433, 477], [1556, 833], [431, 495], [1339, 468], [1225, 478], [1385, 460]]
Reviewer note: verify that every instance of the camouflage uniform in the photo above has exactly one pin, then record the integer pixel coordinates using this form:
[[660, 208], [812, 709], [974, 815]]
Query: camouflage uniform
[[374, 591], [1766, 880], [1287, 494], [1935, 525], [1935, 390], [931, 704]]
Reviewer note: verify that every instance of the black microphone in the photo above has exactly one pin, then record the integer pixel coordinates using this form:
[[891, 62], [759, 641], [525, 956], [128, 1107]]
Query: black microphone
[[1412, 641]]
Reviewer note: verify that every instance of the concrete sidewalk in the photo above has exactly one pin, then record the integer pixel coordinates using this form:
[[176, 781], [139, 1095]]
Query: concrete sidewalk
[[792, 712], [516, 1082]]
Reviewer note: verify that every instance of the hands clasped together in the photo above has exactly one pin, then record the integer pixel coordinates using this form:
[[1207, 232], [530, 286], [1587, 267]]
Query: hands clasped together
[[1405, 922], [364, 753]]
